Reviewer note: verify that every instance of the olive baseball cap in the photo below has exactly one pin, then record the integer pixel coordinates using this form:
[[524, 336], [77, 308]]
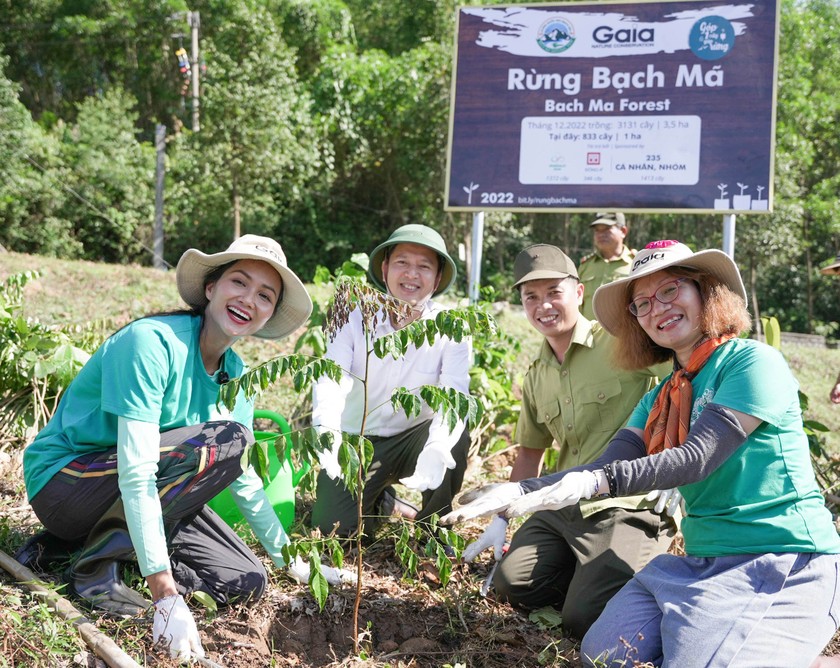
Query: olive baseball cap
[[422, 235], [542, 261], [616, 218]]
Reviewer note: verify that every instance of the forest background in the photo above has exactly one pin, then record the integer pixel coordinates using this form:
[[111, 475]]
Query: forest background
[[324, 123]]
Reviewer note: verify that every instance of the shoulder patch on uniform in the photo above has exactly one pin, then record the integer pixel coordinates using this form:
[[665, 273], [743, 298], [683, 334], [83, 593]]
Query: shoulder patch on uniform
[[586, 258]]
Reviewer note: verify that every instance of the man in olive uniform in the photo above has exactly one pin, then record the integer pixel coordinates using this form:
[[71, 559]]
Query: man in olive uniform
[[610, 260]]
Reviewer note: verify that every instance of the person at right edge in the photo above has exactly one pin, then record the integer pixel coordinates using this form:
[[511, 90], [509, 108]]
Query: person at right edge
[[758, 585]]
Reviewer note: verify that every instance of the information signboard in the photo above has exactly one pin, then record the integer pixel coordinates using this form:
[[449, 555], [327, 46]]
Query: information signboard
[[641, 106]]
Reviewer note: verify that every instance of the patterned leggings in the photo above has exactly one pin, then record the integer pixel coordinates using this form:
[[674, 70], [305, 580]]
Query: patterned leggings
[[196, 463]]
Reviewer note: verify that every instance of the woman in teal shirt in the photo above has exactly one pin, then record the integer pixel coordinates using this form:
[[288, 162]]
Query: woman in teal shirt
[[758, 585], [138, 445]]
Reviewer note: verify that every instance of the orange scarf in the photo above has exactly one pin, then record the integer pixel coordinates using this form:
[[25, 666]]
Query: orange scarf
[[668, 422]]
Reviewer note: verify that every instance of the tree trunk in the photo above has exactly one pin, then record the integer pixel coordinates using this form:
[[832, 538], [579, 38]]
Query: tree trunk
[[809, 287], [237, 211]]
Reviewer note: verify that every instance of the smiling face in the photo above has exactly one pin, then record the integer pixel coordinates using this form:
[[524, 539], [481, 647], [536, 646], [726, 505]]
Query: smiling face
[[411, 273], [242, 300], [551, 306], [677, 324]]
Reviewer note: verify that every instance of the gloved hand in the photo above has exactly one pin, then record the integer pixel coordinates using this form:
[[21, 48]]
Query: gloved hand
[[175, 627], [570, 490], [483, 501], [300, 571], [669, 500], [432, 464], [328, 458], [494, 536]]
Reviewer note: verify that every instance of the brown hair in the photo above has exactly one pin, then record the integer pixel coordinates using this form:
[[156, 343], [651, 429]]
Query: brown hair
[[724, 312]]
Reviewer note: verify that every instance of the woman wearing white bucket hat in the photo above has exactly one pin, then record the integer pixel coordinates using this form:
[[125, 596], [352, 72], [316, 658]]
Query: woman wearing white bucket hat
[[138, 446], [759, 583]]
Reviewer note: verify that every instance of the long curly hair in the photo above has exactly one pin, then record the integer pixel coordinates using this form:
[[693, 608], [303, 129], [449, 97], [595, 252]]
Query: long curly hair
[[724, 312]]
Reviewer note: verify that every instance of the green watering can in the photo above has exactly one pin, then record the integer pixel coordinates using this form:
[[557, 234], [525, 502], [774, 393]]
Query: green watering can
[[283, 478]]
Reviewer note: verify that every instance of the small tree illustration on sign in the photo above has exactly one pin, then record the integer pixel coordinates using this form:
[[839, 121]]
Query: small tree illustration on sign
[[469, 190], [355, 451]]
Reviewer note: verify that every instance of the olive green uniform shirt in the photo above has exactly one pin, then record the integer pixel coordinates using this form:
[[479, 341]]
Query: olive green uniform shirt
[[580, 404], [594, 271]]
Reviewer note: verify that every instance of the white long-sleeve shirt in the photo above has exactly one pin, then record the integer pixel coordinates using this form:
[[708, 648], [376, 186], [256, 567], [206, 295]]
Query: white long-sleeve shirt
[[444, 364]]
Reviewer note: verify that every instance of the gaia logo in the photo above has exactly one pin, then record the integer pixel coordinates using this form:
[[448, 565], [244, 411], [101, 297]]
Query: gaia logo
[[711, 37], [556, 35]]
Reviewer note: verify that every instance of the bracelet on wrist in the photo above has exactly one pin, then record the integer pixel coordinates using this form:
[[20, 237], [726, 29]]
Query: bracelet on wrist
[[608, 472]]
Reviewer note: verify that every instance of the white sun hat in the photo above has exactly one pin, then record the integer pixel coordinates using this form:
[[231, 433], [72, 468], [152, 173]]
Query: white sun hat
[[295, 305], [610, 300]]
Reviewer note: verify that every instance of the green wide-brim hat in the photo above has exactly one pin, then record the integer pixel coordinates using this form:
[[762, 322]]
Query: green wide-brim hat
[[413, 234]]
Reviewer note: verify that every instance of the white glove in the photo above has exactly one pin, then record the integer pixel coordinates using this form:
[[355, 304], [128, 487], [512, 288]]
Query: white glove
[[669, 500], [494, 536], [483, 501], [570, 490], [328, 459], [175, 627], [299, 570], [432, 464]]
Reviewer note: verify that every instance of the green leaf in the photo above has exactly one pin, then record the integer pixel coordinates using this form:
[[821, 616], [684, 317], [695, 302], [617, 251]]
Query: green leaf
[[546, 617], [318, 585], [205, 600]]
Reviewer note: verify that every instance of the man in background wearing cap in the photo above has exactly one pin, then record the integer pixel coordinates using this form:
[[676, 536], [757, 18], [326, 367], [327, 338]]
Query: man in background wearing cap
[[421, 452], [610, 260], [576, 558]]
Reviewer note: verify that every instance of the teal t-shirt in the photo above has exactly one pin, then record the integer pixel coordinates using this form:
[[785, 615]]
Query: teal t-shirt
[[764, 498], [151, 370]]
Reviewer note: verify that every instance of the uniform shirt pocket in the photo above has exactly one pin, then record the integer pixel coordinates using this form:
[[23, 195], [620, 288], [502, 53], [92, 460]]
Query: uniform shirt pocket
[[602, 404], [548, 414]]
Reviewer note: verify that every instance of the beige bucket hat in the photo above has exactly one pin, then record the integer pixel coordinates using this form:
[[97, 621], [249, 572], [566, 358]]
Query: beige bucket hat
[[295, 305], [610, 300]]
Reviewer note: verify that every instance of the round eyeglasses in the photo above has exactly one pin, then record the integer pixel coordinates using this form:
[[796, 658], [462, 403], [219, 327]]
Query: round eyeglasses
[[665, 294]]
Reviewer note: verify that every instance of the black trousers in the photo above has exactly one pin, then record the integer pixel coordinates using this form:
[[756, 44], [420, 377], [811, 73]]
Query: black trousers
[[394, 457]]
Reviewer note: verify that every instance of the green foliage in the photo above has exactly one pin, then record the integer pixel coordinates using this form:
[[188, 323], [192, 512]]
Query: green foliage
[[111, 177], [36, 363], [36, 637], [491, 384], [434, 540], [313, 28], [772, 332], [310, 549], [258, 149], [206, 601], [546, 617]]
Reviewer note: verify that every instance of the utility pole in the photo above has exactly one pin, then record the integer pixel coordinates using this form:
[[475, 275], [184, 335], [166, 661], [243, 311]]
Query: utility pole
[[195, 22], [160, 148]]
